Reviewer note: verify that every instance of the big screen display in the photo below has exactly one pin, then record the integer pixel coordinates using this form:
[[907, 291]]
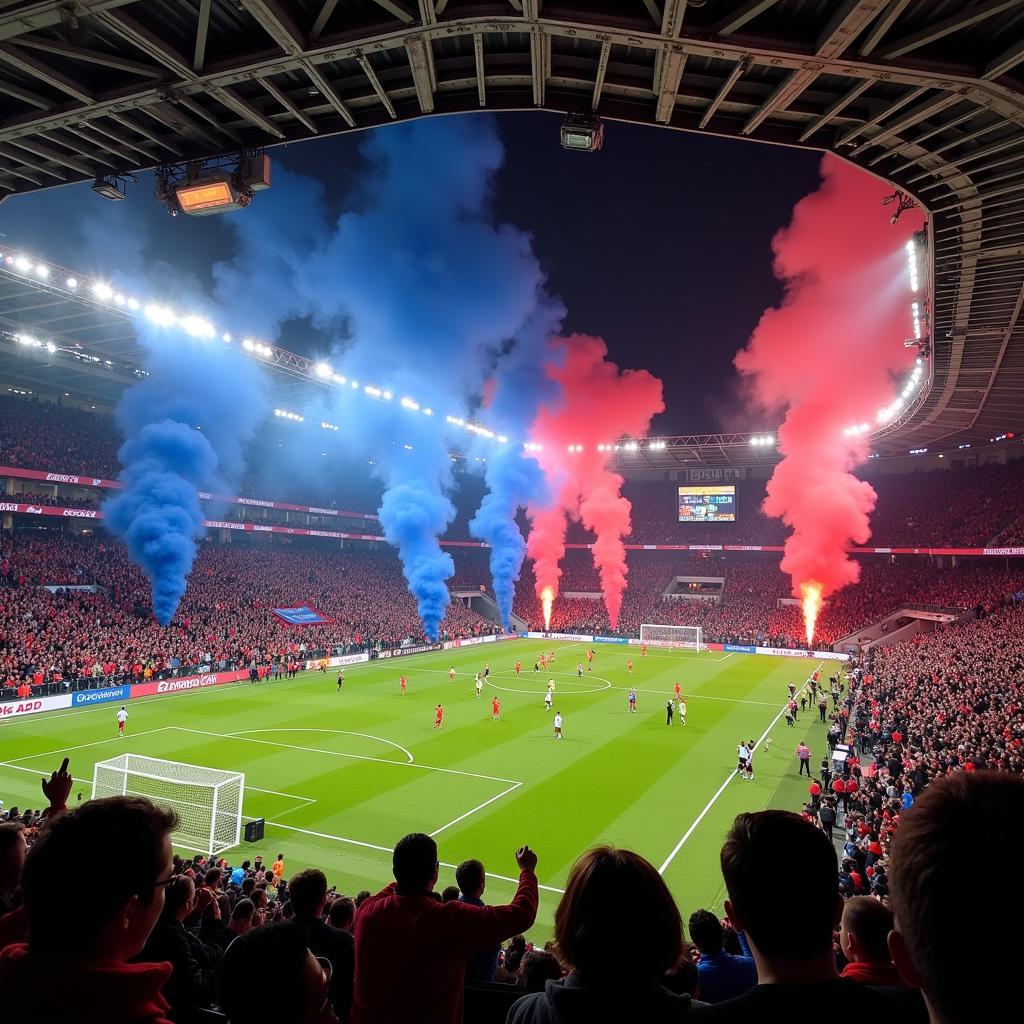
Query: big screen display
[[700, 504]]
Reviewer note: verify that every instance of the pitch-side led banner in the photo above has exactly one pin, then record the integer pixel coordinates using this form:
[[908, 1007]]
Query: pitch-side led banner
[[20, 708], [196, 682], [338, 660], [610, 640], [106, 695]]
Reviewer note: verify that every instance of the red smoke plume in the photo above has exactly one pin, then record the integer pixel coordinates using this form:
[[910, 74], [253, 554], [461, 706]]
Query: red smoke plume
[[598, 404], [828, 356]]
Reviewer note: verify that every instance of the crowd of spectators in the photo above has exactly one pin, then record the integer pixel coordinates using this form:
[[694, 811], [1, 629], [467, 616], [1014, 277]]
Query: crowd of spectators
[[198, 940], [963, 506]]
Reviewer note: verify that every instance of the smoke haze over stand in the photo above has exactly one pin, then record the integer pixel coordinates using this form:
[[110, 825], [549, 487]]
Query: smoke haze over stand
[[827, 357]]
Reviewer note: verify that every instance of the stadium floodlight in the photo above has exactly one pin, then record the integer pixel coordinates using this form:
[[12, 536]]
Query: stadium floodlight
[[160, 315], [687, 637], [409, 403], [583, 133], [71, 282], [23, 264], [102, 291], [109, 187], [324, 370], [208, 801], [42, 271]]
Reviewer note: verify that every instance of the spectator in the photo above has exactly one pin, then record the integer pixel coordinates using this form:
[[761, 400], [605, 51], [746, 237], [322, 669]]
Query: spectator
[[955, 871], [75, 965], [342, 913], [407, 924], [309, 897], [618, 930], [863, 938], [12, 863], [449, 894], [789, 927], [243, 918], [193, 963], [720, 975], [482, 963], [294, 990], [537, 968]]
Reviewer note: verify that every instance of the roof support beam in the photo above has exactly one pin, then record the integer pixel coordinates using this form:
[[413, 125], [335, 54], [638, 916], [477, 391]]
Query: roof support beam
[[481, 80], [907, 97], [600, 72], [276, 22], [940, 29], [896, 8], [396, 10], [288, 105], [244, 110], [367, 67], [31, 98], [672, 67], [739, 69], [202, 28], [145, 133], [908, 120], [321, 19], [328, 93], [747, 12], [428, 16], [30, 66], [840, 105], [107, 60], [1006, 61], [847, 22], [417, 50], [37, 149], [142, 39]]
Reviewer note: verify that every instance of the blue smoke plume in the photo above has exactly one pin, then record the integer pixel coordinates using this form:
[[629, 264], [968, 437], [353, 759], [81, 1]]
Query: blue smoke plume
[[184, 427], [420, 293]]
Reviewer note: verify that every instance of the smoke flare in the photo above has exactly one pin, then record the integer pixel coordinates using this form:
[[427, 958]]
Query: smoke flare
[[811, 605]]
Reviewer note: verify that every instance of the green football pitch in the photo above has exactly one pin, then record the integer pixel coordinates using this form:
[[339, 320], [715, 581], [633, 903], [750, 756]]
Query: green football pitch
[[340, 777]]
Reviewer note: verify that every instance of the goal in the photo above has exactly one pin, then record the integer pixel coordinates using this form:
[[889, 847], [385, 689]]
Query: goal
[[208, 801], [689, 637]]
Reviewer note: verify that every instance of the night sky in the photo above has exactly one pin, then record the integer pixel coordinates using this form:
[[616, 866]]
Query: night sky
[[660, 243]]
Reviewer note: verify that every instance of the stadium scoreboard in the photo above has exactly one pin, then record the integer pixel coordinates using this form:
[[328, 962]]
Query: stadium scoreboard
[[707, 504]]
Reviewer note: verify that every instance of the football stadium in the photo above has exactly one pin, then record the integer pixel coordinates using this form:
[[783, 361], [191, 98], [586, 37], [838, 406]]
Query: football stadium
[[558, 561]]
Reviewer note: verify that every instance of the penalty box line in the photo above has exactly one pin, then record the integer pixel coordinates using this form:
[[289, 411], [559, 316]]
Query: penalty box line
[[722, 788], [389, 850]]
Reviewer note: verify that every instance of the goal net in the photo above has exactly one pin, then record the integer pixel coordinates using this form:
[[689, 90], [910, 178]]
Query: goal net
[[208, 801], [688, 637]]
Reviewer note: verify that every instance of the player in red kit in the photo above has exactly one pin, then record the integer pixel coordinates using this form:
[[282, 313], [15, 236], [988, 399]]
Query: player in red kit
[[495, 709], [590, 661], [451, 674], [439, 717], [543, 661], [643, 651], [403, 684], [519, 665], [629, 666], [679, 691]]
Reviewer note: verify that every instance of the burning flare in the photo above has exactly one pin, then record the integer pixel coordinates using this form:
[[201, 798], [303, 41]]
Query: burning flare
[[547, 597], [811, 605]]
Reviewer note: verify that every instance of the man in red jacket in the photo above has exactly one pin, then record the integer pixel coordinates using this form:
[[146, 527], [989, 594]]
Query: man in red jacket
[[411, 948]]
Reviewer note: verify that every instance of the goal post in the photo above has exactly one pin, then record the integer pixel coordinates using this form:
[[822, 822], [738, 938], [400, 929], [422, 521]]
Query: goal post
[[688, 637], [208, 801]]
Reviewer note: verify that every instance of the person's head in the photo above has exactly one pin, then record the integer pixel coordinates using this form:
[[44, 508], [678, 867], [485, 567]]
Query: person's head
[[537, 967], [248, 884], [280, 856], [212, 877], [179, 898], [12, 854], [414, 863], [241, 915], [781, 921], [955, 858], [308, 892], [449, 893], [864, 931], [130, 832], [361, 897], [706, 932], [514, 953], [342, 913], [471, 878], [301, 981], [683, 979], [268, 877], [617, 918]]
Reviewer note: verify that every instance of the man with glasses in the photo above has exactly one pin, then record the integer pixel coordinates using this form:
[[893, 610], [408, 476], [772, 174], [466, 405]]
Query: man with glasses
[[412, 948], [76, 963]]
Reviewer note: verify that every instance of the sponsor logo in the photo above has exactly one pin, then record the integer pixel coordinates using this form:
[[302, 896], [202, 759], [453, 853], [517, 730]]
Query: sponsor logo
[[586, 638], [189, 683], [741, 648], [8, 506], [705, 547], [611, 640], [80, 513], [256, 501], [28, 707], [1004, 551], [96, 481], [263, 529], [323, 511], [106, 696], [34, 509], [64, 478], [420, 649], [781, 652], [325, 533]]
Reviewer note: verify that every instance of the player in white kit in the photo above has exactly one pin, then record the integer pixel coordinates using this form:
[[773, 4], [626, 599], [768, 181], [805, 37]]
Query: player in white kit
[[122, 717], [558, 725], [479, 685], [547, 701]]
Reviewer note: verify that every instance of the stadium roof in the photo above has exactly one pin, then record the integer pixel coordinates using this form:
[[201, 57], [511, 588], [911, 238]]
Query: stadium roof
[[926, 94]]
